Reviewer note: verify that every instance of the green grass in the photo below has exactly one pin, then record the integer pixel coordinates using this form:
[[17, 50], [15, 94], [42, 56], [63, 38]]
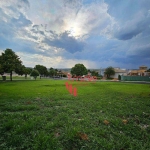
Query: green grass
[[43, 115]]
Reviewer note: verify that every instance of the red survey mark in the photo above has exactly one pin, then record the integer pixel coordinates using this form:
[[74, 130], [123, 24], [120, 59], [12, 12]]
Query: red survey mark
[[72, 90]]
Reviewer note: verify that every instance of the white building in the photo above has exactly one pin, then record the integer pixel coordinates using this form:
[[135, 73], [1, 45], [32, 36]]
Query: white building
[[118, 72]]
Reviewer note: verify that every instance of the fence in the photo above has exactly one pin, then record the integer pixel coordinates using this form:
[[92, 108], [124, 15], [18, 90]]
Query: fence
[[135, 78]]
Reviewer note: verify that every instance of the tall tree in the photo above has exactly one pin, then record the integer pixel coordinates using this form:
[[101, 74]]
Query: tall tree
[[10, 61], [27, 71], [34, 73], [79, 70], [109, 71], [94, 73], [20, 70], [41, 69], [52, 72]]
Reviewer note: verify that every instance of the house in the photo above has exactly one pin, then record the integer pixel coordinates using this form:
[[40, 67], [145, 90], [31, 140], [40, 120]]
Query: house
[[139, 72], [118, 72], [102, 71]]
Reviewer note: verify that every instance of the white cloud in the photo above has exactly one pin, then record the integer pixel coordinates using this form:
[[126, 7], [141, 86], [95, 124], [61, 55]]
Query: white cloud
[[79, 19], [12, 8], [1, 51], [56, 61], [75, 17]]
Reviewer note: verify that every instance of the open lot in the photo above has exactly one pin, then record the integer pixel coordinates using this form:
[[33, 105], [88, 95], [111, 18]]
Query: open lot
[[42, 114]]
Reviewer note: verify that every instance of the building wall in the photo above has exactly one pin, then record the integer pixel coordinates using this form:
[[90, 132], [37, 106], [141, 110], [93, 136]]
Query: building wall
[[116, 75]]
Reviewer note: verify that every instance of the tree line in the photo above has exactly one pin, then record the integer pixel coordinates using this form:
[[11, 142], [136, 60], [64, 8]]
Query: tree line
[[10, 62]]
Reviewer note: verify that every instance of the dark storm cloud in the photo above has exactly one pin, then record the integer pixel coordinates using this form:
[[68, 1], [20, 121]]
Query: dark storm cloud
[[128, 34], [67, 42], [132, 29], [142, 51], [132, 17]]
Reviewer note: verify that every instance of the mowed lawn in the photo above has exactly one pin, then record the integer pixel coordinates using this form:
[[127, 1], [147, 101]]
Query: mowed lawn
[[43, 115]]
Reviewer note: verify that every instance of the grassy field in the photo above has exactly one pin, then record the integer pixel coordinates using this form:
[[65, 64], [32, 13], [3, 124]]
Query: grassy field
[[43, 115]]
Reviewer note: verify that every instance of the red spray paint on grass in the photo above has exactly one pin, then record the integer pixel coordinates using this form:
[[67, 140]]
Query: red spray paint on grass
[[67, 86], [73, 90]]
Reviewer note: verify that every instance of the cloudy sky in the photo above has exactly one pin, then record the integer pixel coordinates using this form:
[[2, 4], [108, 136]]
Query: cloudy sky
[[61, 33]]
